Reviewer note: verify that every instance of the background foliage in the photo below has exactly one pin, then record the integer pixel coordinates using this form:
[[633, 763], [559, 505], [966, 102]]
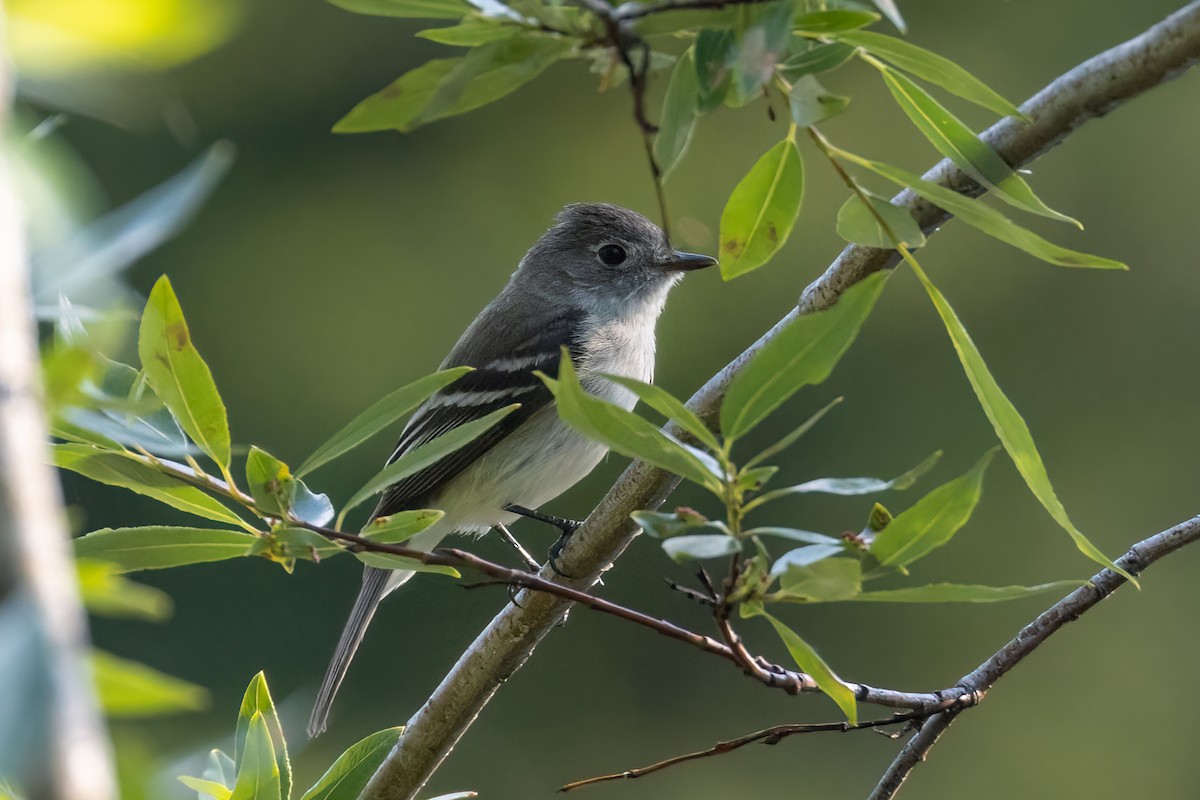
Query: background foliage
[[329, 270]]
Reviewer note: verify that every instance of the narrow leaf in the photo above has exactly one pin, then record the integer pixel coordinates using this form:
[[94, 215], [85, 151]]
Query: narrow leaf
[[703, 545], [804, 557], [211, 789], [258, 705], [107, 593], [1010, 427], [348, 775], [678, 118], [258, 773], [395, 106], [422, 9], [379, 416], [803, 353], [129, 689], [428, 454], [858, 224], [833, 21], [962, 593], [761, 211], [626, 432], [815, 60], [401, 526], [794, 436], [847, 487], [160, 547], [933, 520], [953, 139], [929, 66], [179, 375], [470, 32], [812, 664], [795, 535], [390, 561], [984, 218], [670, 407]]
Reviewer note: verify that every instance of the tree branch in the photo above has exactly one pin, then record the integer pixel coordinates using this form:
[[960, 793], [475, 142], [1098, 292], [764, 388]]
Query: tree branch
[[1028, 639], [66, 750], [1091, 89]]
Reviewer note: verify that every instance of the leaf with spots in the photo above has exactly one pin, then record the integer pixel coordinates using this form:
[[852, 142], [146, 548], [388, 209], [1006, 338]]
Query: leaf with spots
[[179, 376], [762, 210]]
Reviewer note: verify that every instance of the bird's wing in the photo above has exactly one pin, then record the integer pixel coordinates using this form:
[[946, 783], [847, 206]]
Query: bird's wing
[[499, 378]]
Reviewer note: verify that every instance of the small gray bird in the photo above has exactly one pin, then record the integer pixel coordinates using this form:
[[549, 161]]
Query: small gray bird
[[594, 283]]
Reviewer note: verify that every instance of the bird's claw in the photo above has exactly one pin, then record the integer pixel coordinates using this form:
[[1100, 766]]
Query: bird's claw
[[567, 526]]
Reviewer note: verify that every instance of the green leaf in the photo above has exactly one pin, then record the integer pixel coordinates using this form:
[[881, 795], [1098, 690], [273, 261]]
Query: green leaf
[[816, 59], [712, 55], [986, 219], [390, 561], [933, 520], [106, 593], [762, 40], [412, 9], [348, 776], [678, 118], [685, 19], [129, 689], [292, 543], [160, 547], [670, 407], [179, 376], [859, 224], [470, 32], [258, 705], [626, 432], [812, 664], [396, 106], [953, 139], [220, 769], [379, 416], [277, 493], [761, 211], [803, 353], [889, 9], [129, 472], [702, 545], [811, 103], [212, 789], [401, 526], [795, 535], [258, 773], [662, 525], [752, 479], [936, 69], [847, 487], [1010, 427], [791, 438], [810, 575], [489, 72], [962, 593], [833, 21], [427, 454]]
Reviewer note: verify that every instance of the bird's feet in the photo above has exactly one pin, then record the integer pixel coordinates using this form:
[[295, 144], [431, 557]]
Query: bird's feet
[[566, 526]]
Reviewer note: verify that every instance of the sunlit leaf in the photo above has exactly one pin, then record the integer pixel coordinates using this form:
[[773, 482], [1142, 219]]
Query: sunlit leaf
[[626, 432], [670, 407], [421, 9], [802, 354], [678, 117], [858, 224], [470, 32], [953, 139], [129, 689], [821, 580], [278, 493], [258, 772], [206, 788], [127, 471], [760, 213], [379, 416], [851, 486], [929, 66], [257, 702], [158, 547], [401, 526], [107, 593], [428, 454], [933, 520], [811, 103], [813, 665], [390, 561], [179, 375], [702, 545], [962, 593], [220, 769], [396, 106], [348, 775], [293, 543], [1010, 427]]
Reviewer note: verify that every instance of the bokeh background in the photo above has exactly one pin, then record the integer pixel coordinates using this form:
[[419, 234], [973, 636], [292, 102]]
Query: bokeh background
[[327, 270]]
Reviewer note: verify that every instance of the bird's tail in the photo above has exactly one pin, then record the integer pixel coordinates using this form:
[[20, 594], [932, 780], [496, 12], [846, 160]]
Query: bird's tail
[[376, 584]]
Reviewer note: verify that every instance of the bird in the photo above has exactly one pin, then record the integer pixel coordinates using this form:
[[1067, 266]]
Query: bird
[[593, 286]]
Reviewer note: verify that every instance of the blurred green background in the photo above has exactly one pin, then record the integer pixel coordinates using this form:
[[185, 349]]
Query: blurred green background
[[327, 270]]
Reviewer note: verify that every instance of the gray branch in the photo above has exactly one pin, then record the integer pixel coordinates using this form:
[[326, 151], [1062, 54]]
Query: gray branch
[[1090, 90], [66, 755]]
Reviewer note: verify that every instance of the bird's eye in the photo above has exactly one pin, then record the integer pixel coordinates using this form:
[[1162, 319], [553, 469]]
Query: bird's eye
[[611, 254]]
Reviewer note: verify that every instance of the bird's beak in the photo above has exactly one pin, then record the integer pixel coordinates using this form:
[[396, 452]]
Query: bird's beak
[[686, 262]]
